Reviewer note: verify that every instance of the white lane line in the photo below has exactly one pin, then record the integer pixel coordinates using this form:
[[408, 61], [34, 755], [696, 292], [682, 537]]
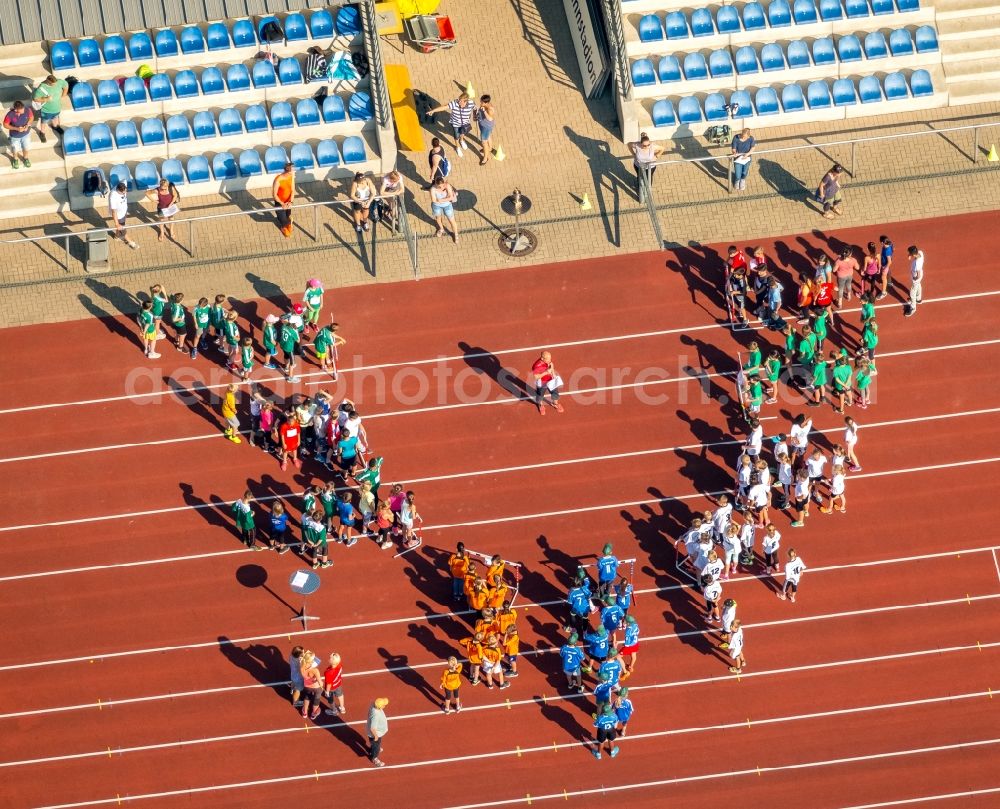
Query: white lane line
[[971, 793], [541, 649], [586, 745], [444, 615], [458, 357], [996, 564]]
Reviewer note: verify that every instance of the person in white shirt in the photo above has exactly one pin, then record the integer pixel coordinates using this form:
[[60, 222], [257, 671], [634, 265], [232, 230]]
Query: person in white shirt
[[713, 592], [800, 493], [916, 278], [743, 471], [713, 565], [838, 456], [815, 464], [736, 648], [728, 618], [691, 539], [764, 471], [755, 440], [771, 544], [799, 436], [748, 537], [706, 525], [794, 568], [780, 442], [117, 213], [785, 479], [838, 483], [758, 497], [851, 442], [722, 517], [732, 546]]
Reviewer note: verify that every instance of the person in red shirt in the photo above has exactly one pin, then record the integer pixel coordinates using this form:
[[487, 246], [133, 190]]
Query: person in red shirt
[[289, 434], [546, 379], [333, 678]]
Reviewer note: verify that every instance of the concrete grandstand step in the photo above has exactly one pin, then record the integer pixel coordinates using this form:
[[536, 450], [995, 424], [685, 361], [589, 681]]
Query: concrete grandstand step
[[967, 27], [959, 9], [984, 46], [974, 92], [34, 204], [972, 70], [39, 178]]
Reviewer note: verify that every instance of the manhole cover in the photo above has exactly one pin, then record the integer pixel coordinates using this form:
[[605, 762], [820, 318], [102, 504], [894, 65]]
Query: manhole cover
[[518, 243]]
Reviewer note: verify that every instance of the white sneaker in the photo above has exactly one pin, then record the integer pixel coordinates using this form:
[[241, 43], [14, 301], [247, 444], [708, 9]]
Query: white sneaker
[[459, 150], [153, 356]]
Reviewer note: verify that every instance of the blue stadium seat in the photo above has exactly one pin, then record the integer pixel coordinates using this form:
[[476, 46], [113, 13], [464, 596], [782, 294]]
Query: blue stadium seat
[[908, 5], [701, 23], [88, 53], [115, 51], [73, 140], [772, 58], [823, 52], [307, 112], [798, 54], [354, 150], [741, 98], [831, 10], [715, 108], [120, 174], [792, 99], [101, 185], [197, 169], [676, 25], [880, 7], [264, 75], [302, 157], [321, 24], [203, 125], [804, 12], [256, 118], [695, 67], [856, 9], [296, 29], [186, 84], [844, 93], [766, 101], [746, 61], [669, 69], [926, 39], [192, 40], [223, 167], [663, 113], [849, 49], [348, 21], [275, 158], [643, 73], [82, 96], [108, 93], [211, 81], [166, 43], [920, 84], [720, 64], [152, 133], [875, 47], [160, 88], [217, 37], [100, 138], [359, 107], [779, 15], [281, 116], [178, 129], [146, 175], [172, 171], [289, 71], [753, 17], [230, 122], [264, 21], [134, 90], [126, 135], [818, 95], [333, 110], [895, 86], [243, 34], [900, 42], [727, 20], [650, 28], [327, 154], [869, 90], [237, 78], [140, 47], [62, 56], [250, 164], [689, 110]]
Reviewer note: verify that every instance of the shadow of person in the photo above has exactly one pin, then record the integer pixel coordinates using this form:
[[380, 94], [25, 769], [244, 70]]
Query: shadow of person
[[783, 182], [398, 666], [703, 269], [432, 644], [693, 149], [561, 563], [270, 291], [215, 513], [121, 299], [486, 362], [608, 176], [568, 722], [265, 663], [110, 322]]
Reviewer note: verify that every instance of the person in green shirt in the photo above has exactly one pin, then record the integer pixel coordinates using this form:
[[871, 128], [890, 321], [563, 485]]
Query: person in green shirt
[[178, 318], [807, 346], [270, 339], [313, 300], [50, 94], [147, 325], [246, 358], [863, 379], [756, 394], [314, 535], [869, 341], [819, 329], [160, 301], [842, 386], [372, 474], [754, 357], [202, 319], [290, 346], [328, 498], [243, 513], [326, 343], [791, 339], [217, 318], [772, 371], [231, 339], [867, 308], [819, 378]]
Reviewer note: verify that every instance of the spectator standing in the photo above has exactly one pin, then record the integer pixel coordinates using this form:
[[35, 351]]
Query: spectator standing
[[916, 278], [283, 192], [829, 192], [486, 118], [437, 162], [165, 196], [742, 146], [460, 113], [378, 726], [295, 672], [443, 198], [17, 122], [843, 269], [391, 192], [118, 212], [48, 99], [362, 196], [333, 678], [644, 154]]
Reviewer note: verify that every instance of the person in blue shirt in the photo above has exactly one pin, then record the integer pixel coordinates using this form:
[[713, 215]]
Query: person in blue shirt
[[579, 608], [623, 590], [623, 709], [607, 571], [279, 529], [345, 511], [598, 643], [605, 721], [885, 264], [603, 692], [572, 660], [630, 649], [611, 668], [612, 616]]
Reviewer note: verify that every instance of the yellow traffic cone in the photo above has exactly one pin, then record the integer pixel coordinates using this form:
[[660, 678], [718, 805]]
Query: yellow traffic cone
[[992, 156], [498, 153], [469, 91], [585, 203]]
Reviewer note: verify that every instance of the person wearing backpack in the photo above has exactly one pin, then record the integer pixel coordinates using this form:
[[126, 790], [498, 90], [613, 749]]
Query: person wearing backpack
[[166, 197], [440, 166]]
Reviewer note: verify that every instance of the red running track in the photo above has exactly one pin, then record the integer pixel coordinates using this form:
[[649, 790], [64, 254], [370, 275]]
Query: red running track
[[137, 667]]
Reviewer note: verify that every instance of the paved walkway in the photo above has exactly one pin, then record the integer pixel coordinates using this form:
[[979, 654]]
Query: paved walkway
[[559, 147]]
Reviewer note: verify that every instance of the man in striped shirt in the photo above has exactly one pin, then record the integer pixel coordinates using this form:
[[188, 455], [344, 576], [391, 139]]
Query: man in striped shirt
[[460, 113]]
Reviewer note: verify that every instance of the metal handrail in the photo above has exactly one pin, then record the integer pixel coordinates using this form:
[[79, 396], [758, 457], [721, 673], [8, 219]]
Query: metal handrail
[[646, 194], [380, 98], [616, 42], [409, 236]]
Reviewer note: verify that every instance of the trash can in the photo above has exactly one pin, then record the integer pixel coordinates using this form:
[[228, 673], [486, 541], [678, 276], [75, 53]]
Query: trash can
[[97, 251]]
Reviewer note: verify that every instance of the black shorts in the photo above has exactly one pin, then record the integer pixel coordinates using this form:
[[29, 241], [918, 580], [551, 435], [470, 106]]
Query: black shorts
[[801, 503], [791, 586], [360, 206], [180, 328], [289, 355], [606, 735], [451, 693]]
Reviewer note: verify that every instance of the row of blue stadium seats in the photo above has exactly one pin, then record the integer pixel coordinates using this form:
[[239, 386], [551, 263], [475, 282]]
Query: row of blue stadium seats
[[773, 56], [216, 37], [677, 25], [817, 96], [188, 84], [153, 131]]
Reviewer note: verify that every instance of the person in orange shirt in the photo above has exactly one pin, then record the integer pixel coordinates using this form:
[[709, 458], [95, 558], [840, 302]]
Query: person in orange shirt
[[511, 647], [492, 655], [471, 574], [451, 680], [474, 651], [506, 617], [498, 592], [496, 568], [458, 564], [487, 624], [480, 592]]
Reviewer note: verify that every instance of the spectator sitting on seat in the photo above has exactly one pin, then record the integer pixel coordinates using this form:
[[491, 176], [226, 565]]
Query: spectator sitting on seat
[[317, 65]]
